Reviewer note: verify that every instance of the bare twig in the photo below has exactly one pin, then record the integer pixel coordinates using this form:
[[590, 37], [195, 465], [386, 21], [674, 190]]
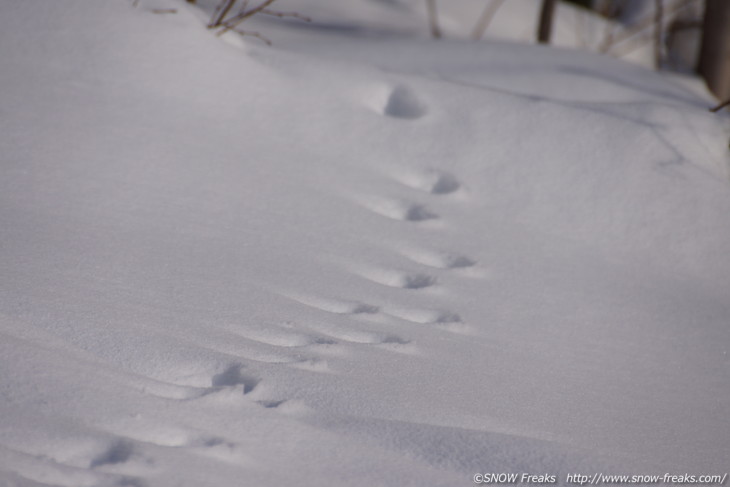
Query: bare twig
[[607, 38], [286, 14], [220, 13], [720, 106], [433, 18], [240, 17], [243, 7], [639, 27], [485, 19], [253, 34], [611, 11], [223, 18]]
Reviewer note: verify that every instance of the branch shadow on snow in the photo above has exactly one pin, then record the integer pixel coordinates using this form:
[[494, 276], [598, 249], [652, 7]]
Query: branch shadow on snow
[[695, 101], [351, 29]]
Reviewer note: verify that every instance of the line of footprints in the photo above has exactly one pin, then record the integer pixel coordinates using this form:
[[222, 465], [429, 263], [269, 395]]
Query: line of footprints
[[298, 345], [436, 183]]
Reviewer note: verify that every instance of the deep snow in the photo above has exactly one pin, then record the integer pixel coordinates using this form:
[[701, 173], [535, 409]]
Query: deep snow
[[350, 259]]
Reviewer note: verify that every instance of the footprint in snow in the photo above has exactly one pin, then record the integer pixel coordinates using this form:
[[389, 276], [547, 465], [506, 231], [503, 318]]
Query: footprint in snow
[[290, 407], [363, 337], [168, 390], [414, 213], [431, 181], [233, 376], [337, 306], [402, 102], [120, 451], [424, 316], [399, 210], [276, 336], [272, 404], [397, 279], [440, 260], [399, 101], [444, 319]]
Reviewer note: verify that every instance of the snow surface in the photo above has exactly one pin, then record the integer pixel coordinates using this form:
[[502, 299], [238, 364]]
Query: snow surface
[[351, 259]]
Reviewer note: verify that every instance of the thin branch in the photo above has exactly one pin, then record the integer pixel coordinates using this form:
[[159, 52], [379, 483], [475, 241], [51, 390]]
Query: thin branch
[[295, 15], [243, 7], [607, 38], [485, 19], [237, 19], [223, 8], [611, 12], [720, 106], [252, 34], [243, 12], [433, 18], [629, 47], [640, 26]]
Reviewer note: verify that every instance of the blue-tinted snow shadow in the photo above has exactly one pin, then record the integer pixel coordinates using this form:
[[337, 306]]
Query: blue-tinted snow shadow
[[463, 450]]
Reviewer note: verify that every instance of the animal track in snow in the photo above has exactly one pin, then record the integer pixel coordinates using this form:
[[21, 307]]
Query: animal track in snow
[[272, 404], [399, 210], [399, 101], [361, 336], [233, 376], [239, 345], [312, 365], [403, 280], [152, 433], [274, 344], [119, 452], [410, 281], [169, 390], [21, 468], [220, 449], [424, 316], [440, 260], [431, 181], [446, 320], [275, 336], [116, 457], [267, 357], [416, 213], [402, 102], [336, 305], [292, 407]]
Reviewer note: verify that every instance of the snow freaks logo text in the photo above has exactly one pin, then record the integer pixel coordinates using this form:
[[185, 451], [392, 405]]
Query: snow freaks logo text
[[514, 478], [600, 479]]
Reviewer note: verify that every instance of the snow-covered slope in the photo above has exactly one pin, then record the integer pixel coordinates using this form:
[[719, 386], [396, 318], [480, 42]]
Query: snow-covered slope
[[349, 260]]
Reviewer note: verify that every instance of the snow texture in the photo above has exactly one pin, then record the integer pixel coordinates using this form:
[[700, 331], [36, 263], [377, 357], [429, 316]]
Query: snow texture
[[358, 258]]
